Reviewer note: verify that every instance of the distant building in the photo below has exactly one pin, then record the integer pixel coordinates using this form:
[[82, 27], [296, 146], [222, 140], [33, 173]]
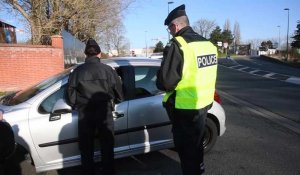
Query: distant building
[[266, 51], [139, 52], [243, 49], [134, 52], [7, 33]]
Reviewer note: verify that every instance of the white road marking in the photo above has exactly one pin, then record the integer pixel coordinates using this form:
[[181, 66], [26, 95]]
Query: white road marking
[[254, 71], [292, 79], [243, 68], [235, 66], [269, 75]]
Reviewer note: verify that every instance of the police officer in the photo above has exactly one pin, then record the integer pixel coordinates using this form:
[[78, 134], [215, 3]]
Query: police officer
[[93, 89], [188, 75]]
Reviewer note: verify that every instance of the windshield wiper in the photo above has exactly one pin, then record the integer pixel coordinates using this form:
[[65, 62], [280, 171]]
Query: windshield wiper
[[6, 98]]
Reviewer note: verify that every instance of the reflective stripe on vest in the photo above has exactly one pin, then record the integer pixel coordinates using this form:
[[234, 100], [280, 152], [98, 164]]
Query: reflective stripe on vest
[[196, 88]]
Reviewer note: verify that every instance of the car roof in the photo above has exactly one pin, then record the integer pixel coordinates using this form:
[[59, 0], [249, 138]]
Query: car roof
[[124, 61]]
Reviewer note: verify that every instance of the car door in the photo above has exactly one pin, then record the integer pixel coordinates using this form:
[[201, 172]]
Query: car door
[[56, 138], [148, 123]]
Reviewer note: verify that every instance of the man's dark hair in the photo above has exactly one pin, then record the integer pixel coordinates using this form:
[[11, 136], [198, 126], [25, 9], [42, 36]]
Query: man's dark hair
[[91, 51], [92, 48]]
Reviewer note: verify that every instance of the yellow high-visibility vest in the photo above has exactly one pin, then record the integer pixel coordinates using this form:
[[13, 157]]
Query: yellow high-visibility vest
[[196, 88]]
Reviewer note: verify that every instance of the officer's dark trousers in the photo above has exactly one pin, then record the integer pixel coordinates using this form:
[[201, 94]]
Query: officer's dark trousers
[[104, 126], [188, 128]]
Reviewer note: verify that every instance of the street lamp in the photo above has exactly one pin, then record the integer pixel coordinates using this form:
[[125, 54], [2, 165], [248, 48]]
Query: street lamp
[[287, 34], [169, 2], [278, 37], [146, 43]]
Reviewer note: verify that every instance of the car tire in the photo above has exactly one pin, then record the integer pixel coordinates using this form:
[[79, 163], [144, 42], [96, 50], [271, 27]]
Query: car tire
[[210, 135]]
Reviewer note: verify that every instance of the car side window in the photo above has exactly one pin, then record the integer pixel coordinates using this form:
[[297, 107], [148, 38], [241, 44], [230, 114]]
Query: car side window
[[48, 104], [121, 71], [145, 81]]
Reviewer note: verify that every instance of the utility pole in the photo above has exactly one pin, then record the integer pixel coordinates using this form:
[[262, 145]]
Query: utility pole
[[287, 35], [146, 43], [278, 37]]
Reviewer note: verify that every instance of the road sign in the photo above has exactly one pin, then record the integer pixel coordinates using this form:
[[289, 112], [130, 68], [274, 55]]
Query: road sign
[[225, 45]]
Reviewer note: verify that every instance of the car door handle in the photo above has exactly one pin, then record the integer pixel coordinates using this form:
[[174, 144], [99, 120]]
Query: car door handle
[[54, 117], [117, 115]]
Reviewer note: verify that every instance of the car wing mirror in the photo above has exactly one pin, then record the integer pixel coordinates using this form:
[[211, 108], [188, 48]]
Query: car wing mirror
[[60, 107]]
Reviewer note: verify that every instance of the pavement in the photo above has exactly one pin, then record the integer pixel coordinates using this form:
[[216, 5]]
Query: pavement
[[260, 111], [263, 57], [280, 61]]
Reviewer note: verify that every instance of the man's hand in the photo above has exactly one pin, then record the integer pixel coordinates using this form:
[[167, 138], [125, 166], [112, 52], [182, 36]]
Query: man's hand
[[1, 114]]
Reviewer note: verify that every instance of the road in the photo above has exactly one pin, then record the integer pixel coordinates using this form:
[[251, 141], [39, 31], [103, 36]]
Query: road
[[249, 79], [262, 136]]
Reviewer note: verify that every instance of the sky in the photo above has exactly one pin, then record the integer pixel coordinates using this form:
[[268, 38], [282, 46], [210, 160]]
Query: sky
[[144, 19], [258, 19]]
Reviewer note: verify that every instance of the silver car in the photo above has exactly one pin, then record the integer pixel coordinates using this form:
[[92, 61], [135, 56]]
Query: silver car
[[46, 127]]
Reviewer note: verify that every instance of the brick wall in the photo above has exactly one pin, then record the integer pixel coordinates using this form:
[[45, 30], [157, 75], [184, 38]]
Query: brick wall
[[24, 65]]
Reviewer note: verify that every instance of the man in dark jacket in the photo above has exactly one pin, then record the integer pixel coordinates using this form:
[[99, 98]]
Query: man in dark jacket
[[7, 147], [188, 75], [93, 89]]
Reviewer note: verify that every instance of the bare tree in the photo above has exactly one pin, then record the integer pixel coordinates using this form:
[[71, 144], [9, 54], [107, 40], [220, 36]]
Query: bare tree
[[237, 33], [204, 27], [113, 38], [255, 43], [125, 48], [82, 18], [227, 25]]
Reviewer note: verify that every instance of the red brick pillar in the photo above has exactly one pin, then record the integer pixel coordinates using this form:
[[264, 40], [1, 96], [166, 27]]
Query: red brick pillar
[[57, 41]]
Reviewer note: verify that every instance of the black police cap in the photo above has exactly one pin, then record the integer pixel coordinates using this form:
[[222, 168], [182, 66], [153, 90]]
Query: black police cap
[[177, 12], [92, 48]]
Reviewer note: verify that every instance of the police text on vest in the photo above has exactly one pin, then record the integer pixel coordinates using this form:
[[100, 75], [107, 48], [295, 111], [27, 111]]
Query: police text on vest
[[207, 60]]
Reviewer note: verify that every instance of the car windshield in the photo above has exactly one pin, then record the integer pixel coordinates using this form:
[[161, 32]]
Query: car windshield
[[23, 95]]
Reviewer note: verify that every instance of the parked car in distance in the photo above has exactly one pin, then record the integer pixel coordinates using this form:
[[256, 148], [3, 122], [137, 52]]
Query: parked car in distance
[[46, 128], [158, 55]]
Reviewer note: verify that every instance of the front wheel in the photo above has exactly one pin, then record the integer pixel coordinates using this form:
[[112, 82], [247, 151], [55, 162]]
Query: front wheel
[[210, 135]]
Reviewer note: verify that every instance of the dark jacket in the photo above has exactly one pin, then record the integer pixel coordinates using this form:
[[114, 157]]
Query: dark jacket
[[170, 72], [94, 83], [7, 141]]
